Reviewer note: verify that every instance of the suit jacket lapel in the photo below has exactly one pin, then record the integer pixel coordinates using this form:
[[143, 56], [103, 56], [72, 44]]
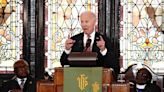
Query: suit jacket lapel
[[27, 83], [79, 45], [82, 48], [15, 81]]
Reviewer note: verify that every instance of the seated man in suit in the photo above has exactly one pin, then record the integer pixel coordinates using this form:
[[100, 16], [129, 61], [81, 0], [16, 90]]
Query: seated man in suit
[[98, 43], [22, 81], [143, 82]]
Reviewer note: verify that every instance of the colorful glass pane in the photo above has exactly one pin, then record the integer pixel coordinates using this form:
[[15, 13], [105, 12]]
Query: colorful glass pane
[[11, 31], [141, 38]]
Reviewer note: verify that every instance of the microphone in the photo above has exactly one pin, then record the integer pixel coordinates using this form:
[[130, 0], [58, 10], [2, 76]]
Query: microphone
[[88, 43]]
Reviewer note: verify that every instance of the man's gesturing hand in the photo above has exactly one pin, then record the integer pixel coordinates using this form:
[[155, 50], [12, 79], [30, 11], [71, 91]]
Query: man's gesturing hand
[[69, 43], [101, 44]]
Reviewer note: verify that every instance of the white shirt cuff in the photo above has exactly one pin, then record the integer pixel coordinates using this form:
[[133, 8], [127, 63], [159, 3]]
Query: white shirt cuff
[[103, 52]]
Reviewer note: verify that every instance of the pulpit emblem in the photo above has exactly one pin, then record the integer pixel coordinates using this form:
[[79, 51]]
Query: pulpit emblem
[[82, 81], [95, 87]]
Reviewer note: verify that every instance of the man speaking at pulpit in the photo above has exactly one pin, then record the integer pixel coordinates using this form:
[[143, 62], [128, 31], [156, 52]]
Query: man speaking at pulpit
[[90, 40]]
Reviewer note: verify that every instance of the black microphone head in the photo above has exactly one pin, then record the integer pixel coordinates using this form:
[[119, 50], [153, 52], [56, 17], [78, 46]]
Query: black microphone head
[[88, 43]]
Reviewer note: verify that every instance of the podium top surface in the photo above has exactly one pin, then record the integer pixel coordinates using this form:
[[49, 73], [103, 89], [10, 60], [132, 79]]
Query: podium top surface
[[82, 56]]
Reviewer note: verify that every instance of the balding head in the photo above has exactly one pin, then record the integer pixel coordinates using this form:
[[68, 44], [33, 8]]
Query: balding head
[[89, 14], [88, 21]]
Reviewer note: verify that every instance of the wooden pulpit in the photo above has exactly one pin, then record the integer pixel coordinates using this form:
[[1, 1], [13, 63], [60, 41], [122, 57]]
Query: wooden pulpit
[[45, 86], [120, 87], [108, 82], [107, 79]]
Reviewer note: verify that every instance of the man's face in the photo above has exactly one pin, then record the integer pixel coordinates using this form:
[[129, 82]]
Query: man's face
[[143, 76], [87, 23], [22, 70]]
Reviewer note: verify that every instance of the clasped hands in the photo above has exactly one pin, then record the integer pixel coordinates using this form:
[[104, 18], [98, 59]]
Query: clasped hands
[[100, 44]]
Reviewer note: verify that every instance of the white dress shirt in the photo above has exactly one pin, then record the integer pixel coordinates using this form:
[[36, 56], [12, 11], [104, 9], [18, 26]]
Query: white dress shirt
[[20, 80]]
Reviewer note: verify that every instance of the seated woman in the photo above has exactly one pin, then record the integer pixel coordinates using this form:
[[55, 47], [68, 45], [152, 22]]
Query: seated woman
[[143, 82]]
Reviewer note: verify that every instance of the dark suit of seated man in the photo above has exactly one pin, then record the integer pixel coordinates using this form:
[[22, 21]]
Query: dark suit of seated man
[[98, 43], [22, 81], [143, 82]]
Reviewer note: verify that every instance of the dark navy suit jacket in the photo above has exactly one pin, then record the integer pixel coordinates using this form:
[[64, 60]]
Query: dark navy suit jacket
[[29, 86], [103, 61]]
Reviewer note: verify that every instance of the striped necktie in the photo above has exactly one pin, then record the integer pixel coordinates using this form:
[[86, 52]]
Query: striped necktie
[[22, 84], [88, 43]]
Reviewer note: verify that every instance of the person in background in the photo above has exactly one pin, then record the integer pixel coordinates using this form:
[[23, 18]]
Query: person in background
[[143, 82], [47, 76], [98, 43], [22, 81]]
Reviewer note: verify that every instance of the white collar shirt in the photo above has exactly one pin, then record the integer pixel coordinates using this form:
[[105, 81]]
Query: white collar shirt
[[19, 80], [92, 37]]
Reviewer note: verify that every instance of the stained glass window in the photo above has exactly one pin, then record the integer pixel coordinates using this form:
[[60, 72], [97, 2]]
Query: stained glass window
[[141, 39], [11, 30], [61, 21]]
